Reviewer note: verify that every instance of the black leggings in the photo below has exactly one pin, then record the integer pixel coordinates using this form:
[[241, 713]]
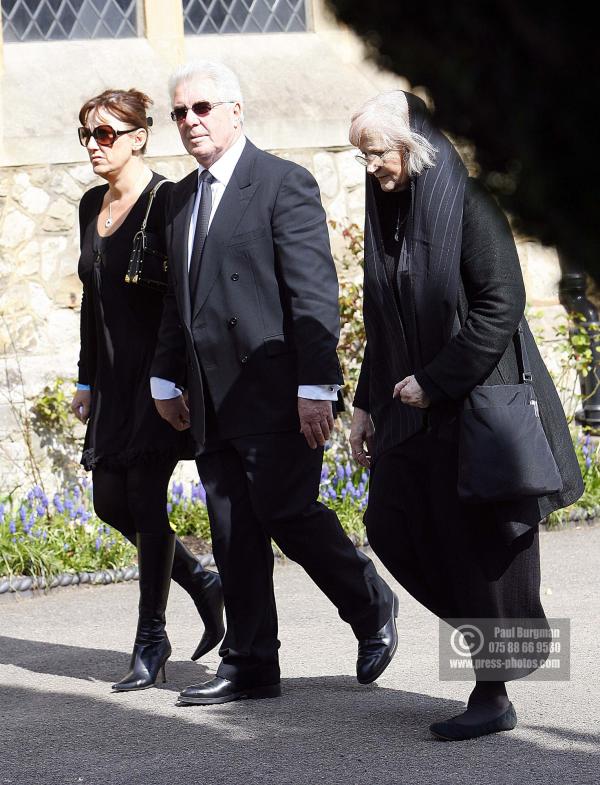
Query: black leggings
[[134, 499]]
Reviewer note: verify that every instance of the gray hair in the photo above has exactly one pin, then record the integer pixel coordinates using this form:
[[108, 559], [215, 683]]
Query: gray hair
[[387, 114], [223, 78]]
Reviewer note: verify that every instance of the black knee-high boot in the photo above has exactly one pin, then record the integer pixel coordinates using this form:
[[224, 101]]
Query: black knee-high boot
[[204, 587], [152, 648]]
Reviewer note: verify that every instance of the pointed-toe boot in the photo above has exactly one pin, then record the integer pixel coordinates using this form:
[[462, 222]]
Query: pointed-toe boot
[[152, 648], [204, 587]]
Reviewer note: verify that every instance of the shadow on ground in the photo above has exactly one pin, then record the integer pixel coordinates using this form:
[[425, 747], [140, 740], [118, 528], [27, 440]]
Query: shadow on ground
[[63, 726]]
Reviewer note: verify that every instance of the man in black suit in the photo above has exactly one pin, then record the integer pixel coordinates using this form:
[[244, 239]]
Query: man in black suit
[[250, 330]]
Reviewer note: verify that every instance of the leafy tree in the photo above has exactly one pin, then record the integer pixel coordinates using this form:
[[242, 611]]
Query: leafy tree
[[515, 79]]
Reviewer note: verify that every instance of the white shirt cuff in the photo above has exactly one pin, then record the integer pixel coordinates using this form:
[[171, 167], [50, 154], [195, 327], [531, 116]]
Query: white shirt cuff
[[163, 389], [319, 392]]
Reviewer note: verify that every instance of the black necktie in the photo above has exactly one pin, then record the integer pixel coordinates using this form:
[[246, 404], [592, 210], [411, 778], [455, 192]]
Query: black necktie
[[204, 181]]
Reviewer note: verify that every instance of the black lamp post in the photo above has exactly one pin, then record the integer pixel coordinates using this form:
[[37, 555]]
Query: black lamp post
[[572, 295]]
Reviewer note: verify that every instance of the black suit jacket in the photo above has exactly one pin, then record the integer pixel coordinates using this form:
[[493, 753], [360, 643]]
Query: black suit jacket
[[265, 318]]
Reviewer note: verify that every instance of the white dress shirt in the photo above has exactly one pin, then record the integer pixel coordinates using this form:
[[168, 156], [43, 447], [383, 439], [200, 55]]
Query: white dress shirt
[[222, 171]]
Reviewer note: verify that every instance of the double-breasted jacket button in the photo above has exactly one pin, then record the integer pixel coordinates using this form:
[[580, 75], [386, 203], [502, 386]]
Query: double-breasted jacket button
[[244, 358], [233, 321], [235, 277]]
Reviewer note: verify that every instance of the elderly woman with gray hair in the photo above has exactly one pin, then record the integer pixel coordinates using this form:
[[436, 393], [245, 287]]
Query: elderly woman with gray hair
[[443, 300]]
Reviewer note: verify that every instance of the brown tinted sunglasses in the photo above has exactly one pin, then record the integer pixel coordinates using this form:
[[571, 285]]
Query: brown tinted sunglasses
[[103, 134]]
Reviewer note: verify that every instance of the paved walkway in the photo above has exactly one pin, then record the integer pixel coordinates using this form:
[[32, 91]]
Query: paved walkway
[[61, 724]]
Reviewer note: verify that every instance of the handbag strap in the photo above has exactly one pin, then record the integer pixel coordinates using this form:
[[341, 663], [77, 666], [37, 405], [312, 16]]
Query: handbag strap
[[522, 357], [153, 193], [523, 366]]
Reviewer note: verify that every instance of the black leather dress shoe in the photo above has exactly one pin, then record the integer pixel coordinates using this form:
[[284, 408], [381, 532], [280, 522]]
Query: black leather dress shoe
[[222, 691], [375, 653], [449, 730]]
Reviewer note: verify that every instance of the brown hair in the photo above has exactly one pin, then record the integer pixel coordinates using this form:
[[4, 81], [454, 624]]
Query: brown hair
[[128, 105]]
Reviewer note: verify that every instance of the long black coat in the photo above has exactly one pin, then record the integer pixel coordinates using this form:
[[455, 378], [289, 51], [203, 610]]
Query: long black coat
[[491, 304]]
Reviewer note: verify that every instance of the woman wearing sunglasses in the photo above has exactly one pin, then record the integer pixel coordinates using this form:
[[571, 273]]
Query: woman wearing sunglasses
[[130, 450]]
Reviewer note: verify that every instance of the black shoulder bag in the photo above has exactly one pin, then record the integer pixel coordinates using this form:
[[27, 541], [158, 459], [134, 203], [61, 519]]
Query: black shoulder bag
[[503, 451], [148, 263]]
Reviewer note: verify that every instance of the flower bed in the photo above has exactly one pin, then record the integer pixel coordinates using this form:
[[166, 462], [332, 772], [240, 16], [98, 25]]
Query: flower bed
[[49, 536], [45, 537]]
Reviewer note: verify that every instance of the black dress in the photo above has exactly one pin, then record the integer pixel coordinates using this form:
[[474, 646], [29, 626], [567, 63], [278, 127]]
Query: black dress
[[119, 325]]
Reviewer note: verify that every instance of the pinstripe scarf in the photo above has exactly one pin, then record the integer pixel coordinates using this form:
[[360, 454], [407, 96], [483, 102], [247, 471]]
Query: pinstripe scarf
[[431, 256]]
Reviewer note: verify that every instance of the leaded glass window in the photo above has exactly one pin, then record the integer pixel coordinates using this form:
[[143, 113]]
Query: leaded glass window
[[50, 20], [244, 16]]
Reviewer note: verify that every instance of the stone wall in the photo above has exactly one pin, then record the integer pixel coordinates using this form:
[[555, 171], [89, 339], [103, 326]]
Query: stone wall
[[40, 292]]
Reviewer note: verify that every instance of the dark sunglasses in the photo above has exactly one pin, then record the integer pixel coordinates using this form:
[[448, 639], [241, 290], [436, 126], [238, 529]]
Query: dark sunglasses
[[200, 108], [103, 134]]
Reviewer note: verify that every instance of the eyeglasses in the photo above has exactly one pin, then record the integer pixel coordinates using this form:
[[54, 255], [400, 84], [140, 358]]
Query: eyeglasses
[[103, 134], [199, 108], [374, 158]]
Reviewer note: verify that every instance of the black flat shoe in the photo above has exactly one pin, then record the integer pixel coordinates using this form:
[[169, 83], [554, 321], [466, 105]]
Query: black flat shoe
[[457, 731], [222, 691], [375, 653]]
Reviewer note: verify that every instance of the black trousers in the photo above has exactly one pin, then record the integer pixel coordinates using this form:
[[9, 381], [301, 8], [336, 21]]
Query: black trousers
[[263, 487]]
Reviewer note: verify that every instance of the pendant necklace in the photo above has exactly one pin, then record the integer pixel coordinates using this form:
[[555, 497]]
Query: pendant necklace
[[109, 220], [399, 225]]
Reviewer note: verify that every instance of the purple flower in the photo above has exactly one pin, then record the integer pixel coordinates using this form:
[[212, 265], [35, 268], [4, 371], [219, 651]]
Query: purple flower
[[339, 472], [12, 527], [41, 511], [198, 493], [98, 543], [169, 508], [22, 514], [324, 472]]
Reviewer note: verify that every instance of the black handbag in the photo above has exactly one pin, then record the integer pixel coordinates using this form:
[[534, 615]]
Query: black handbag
[[148, 264], [504, 454]]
